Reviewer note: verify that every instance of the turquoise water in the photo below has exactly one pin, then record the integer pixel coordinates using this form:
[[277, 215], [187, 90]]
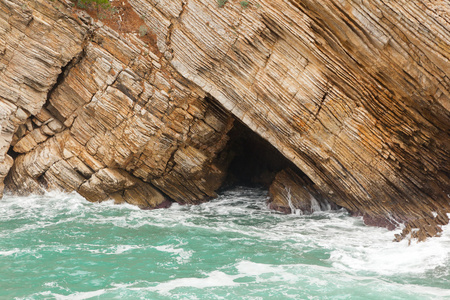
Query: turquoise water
[[59, 246]]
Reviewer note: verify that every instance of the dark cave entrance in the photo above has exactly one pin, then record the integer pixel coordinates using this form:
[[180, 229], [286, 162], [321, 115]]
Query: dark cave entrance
[[254, 161], [12, 153]]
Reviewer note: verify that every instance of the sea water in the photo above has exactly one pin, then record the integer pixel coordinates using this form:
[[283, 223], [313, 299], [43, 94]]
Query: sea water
[[59, 246]]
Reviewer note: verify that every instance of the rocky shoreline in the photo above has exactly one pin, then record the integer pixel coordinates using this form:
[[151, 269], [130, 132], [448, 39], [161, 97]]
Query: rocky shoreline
[[159, 101]]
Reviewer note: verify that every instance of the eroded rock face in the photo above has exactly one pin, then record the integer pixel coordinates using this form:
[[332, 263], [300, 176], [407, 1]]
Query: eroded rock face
[[36, 41], [120, 123], [355, 94], [4, 169], [292, 193]]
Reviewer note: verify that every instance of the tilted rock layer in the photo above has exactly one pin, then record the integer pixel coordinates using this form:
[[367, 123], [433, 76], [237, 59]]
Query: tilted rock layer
[[356, 94], [290, 193], [116, 123]]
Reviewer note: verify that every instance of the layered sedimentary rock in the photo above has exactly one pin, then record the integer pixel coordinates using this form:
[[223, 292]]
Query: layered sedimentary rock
[[355, 94], [32, 54], [116, 123], [291, 193]]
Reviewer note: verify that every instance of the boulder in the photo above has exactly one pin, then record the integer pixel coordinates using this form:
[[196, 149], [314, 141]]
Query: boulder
[[292, 194]]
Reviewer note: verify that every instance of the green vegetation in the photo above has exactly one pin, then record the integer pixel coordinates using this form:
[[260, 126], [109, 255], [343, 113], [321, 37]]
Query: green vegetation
[[97, 3], [143, 30], [244, 3], [221, 3], [113, 9]]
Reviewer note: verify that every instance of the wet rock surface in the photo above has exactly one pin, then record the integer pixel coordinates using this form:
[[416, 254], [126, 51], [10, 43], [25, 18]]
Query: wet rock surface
[[291, 193]]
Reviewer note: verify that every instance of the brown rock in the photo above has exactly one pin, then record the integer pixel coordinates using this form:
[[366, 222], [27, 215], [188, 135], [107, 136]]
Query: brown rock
[[122, 187], [36, 42], [145, 196], [120, 117], [355, 94], [5, 165], [26, 144], [55, 126], [290, 193], [43, 115]]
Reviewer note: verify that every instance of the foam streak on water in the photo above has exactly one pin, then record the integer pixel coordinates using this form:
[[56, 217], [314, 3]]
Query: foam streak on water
[[59, 246]]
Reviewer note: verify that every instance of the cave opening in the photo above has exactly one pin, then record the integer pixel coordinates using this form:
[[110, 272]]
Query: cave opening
[[12, 153], [254, 162]]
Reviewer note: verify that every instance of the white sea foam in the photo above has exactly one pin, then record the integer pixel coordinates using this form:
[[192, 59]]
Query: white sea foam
[[324, 276], [352, 252], [10, 252], [372, 250], [116, 249], [213, 279], [291, 275], [354, 247], [315, 206], [73, 296], [182, 255], [276, 273], [80, 295]]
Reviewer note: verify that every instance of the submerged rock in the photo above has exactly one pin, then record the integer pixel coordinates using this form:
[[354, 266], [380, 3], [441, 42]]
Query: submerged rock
[[356, 95]]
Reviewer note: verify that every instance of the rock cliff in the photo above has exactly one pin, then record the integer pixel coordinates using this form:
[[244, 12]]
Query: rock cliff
[[113, 121], [138, 105]]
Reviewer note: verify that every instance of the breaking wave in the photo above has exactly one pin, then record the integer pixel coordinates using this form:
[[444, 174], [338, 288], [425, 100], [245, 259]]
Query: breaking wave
[[59, 246]]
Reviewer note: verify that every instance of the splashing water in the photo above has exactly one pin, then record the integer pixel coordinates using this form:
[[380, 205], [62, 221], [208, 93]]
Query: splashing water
[[294, 210], [315, 206], [59, 246]]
